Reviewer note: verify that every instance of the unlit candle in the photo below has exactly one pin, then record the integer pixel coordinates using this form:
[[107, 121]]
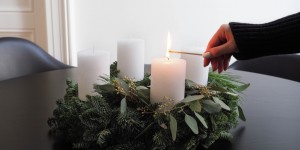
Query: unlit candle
[[91, 65], [131, 58]]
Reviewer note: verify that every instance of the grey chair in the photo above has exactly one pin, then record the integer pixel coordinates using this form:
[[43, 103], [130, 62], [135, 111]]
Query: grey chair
[[20, 57], [283, 66]]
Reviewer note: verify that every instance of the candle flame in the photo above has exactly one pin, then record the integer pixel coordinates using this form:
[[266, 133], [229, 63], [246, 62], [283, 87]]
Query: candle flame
[[168, 45]]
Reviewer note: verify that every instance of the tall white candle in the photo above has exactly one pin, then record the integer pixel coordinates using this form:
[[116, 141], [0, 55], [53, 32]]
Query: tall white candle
[[91, 65], [131, 58], [195, 70], [167, 79]]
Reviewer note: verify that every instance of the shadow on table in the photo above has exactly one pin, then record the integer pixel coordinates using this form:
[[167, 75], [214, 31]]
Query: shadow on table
[[220, 144], [60, 144]]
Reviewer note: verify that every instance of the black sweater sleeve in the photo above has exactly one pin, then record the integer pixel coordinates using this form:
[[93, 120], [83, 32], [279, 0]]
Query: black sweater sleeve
[[281, 36]]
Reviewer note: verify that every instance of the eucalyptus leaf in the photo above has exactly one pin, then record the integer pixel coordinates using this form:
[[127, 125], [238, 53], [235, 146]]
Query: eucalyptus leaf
[[242, 87], [190, 83], [105, 87], [201, 119], [144, 95], [211, 107], [195, 106], [232, 94], [179, 104], [123, 106], [241, 114], [223, 105], [123, 85], [173, 127], [192, 123], [192, 98], [141, 88], [217, 88], [192, 92]]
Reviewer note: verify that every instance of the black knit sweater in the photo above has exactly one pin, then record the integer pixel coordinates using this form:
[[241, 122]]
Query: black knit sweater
[[281, 36]]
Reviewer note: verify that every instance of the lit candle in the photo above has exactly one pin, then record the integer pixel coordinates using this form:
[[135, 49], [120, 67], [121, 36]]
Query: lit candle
[[91, 65], [195, 70], [167, 78], [131, 58]]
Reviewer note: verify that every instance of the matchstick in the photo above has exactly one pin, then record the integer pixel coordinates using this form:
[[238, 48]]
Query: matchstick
[[180, 52]]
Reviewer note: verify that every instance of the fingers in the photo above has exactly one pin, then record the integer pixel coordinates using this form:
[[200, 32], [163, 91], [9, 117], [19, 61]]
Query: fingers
[[226, 61], [220, 63], [219, 58], [220, 48], [222, 42], [218, 38], [206, 62], [214, 64]]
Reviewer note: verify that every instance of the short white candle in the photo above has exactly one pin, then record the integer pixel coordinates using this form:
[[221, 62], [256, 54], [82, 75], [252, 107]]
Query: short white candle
[[167, 79], [131, 58], [91, 65], [195, 70]]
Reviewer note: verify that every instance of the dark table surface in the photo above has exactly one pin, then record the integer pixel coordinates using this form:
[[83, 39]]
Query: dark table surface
[[271, 106]]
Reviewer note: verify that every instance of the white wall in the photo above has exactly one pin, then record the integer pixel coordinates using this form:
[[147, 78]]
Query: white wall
[[100, 23]]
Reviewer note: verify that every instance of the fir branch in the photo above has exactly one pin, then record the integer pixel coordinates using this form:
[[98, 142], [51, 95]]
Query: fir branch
[[113, 70]]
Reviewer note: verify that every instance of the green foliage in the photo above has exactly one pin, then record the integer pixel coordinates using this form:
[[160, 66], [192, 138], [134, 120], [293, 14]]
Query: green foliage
[[122, 117], [113, 70]]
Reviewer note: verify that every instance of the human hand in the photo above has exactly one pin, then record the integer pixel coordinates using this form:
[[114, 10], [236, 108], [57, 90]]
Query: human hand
[[220, 48]]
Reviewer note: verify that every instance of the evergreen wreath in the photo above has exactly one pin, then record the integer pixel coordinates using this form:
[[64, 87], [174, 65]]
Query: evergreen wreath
[[121, 116]]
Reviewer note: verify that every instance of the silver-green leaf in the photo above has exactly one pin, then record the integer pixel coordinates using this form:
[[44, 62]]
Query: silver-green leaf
[[123, 106], [173, 127], [201, 119], [241, 114], [141, 88], [144, 95], [123, 85], [105, 87], [190, 83], [195, 106], [242, 87], [211, 107], [192, 98], [232, 94], [192, 123], [223, 105]]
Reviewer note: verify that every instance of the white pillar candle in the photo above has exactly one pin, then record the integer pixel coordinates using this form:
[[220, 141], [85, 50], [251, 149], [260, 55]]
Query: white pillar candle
[[131, 58], [167, 79], [91, 65], [195, 70]]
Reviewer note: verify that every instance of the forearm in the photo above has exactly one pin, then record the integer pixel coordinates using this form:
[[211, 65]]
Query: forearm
[[281, 36]]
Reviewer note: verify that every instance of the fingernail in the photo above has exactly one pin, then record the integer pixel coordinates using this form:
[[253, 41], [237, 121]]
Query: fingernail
[[206, 55]]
